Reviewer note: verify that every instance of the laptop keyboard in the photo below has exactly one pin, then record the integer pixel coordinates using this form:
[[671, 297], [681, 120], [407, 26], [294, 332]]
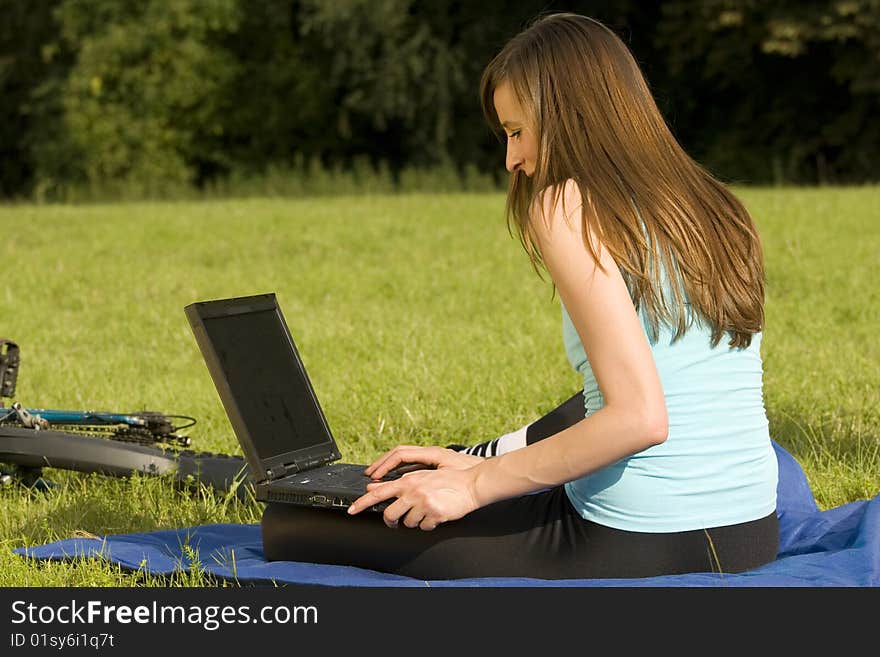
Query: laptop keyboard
[[338, 474], [348, 473], [345, 474], [335, 477]]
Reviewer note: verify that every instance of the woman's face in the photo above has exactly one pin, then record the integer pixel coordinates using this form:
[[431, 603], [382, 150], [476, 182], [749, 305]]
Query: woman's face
[[522, 146]]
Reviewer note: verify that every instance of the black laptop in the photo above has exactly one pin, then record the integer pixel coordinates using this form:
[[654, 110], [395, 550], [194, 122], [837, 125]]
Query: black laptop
[[291, 453]]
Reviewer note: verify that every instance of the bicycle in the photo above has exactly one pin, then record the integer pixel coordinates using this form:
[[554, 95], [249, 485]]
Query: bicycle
[[107, 443]]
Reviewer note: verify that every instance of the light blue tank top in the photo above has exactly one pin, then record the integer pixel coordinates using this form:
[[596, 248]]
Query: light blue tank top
[[717, 466]]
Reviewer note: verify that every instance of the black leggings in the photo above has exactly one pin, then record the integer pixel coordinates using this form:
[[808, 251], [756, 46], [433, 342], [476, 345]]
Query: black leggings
[[539, 535]]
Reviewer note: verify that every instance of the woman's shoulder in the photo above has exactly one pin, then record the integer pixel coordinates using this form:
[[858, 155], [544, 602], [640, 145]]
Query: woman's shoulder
[[560, 200]]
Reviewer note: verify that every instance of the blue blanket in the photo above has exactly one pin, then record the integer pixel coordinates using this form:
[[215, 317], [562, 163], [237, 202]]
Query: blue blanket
[[839, 547]]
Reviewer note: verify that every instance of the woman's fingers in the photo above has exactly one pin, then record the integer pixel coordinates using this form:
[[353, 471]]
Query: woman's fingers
[[437, 457], [428, 525], [387, 462], [423, 499], [378, 463], [401, 511], [413, 518], [376, 493], [400, 455]]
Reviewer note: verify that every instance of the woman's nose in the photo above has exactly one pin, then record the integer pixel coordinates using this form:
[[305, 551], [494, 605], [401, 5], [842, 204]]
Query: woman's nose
[[513, 161]]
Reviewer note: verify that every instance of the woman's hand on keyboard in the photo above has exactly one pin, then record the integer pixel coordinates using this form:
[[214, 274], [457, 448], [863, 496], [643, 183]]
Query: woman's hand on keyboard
[[429, 457]]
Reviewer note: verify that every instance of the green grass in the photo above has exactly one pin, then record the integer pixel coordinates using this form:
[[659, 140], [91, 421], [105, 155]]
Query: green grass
[[419, 319]]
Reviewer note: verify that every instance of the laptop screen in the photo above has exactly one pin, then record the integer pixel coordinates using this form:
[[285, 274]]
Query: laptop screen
[[268, 382]]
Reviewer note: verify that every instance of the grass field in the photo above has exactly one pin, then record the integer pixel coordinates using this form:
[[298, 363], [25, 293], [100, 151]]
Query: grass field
[[419, 319]]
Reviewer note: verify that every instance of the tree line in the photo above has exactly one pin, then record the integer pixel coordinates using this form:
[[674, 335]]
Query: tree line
[[160, 94]]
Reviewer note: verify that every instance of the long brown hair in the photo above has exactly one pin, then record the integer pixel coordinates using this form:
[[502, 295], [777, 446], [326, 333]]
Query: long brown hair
[[651, 205]]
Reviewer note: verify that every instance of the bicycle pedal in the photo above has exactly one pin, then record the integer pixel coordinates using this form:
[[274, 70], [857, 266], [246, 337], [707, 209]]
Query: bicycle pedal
[[9, 362], [29, 420]]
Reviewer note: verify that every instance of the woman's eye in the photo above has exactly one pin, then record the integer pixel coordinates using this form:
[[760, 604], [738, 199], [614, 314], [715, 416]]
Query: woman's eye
[[513, 135]]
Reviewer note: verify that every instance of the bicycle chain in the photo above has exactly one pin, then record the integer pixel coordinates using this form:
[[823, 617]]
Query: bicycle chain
[[136, 435]]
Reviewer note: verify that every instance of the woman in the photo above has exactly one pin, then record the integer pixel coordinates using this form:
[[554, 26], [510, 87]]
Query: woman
[[668, 467]]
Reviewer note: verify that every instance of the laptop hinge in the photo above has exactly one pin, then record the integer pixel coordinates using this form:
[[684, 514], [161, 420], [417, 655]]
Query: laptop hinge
[[283, 471], [287, 469]]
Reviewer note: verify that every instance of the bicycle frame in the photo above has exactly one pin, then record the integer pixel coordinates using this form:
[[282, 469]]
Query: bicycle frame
[[143, 426], [158, 424], [109, 443]]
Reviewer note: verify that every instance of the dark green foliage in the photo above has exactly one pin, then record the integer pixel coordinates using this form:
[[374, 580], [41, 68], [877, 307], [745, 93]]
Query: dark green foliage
[[781, 91], [158, 97], [26, 71]]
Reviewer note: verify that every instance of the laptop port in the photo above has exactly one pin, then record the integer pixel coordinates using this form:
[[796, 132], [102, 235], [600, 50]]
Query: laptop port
[[319, 499], [338, 501]]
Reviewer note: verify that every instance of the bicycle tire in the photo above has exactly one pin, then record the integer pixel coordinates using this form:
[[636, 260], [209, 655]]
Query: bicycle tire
[[93, 454]]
